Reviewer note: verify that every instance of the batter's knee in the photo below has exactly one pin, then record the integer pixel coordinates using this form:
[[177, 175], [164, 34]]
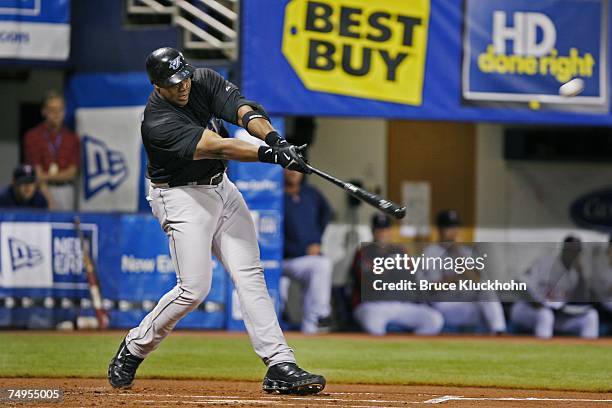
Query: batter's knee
[[194, 293]]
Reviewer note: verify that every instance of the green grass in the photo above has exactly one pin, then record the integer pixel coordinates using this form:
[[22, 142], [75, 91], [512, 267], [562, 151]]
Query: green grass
[[463, 362]]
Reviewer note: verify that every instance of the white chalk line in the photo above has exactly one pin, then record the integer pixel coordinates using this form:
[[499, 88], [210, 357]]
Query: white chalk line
[[446, 398], [334, 399]]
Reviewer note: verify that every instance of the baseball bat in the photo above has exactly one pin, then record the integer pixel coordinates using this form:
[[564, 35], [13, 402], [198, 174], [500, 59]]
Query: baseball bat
[[92, 277], [386, 206]]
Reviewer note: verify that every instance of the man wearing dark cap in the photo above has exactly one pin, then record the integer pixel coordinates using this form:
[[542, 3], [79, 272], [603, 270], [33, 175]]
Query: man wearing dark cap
[[469, 310], [375, 316], [24, 192], [203, 213]]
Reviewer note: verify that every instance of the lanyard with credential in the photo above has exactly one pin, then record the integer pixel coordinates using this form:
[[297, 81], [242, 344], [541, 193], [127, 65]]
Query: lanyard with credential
[[54, 147]]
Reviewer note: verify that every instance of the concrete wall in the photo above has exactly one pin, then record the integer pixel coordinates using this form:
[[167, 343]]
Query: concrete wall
[[350, 149], [529, 201]]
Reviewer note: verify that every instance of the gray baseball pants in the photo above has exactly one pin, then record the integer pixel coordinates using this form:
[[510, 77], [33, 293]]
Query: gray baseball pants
[[201, 221], [544, 322]]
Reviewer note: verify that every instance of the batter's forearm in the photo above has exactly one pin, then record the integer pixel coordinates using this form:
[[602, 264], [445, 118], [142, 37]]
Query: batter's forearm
[[257, 127], [227, 149]]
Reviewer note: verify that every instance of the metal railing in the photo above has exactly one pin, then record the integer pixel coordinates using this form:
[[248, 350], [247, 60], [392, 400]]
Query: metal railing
[[150, 7], [206, 24]]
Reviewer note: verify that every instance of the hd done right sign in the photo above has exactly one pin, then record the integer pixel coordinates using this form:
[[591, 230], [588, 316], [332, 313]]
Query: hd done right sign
[[524, 50], [369, 49]]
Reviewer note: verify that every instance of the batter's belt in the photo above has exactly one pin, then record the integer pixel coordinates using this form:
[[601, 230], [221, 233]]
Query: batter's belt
[[208, 181]]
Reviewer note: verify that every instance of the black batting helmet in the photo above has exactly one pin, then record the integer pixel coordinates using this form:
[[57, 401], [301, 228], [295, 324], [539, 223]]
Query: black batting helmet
[[167, 66]]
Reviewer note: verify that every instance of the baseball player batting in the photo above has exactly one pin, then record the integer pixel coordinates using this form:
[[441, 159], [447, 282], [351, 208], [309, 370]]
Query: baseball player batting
[[203, 213]]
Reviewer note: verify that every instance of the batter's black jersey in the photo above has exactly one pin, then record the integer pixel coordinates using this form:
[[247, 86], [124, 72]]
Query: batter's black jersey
[[170, 133]]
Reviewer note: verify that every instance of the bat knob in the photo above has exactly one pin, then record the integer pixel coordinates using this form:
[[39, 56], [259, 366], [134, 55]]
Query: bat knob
[[400, 213]]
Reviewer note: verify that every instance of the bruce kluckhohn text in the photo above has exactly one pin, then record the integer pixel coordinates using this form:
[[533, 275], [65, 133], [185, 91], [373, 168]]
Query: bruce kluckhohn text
[[422, 265]]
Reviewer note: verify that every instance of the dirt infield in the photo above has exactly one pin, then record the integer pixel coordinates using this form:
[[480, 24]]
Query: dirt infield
[[184, 393]]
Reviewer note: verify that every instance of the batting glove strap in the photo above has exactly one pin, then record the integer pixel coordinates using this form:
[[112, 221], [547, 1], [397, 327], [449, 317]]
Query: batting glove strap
[[275, 139]]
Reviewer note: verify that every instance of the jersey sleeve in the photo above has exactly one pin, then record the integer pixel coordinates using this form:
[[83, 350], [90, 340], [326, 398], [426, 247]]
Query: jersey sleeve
[[224, 97], [175, 138]]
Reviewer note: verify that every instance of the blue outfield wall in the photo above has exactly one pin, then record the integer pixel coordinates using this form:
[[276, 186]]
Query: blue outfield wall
[[42, 274], [42, 279]]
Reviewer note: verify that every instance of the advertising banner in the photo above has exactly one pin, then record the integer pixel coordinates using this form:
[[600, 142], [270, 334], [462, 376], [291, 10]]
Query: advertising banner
[[108, 111], [35, 29], [43, 281], [373, 50], [523, 51], [482, 61]]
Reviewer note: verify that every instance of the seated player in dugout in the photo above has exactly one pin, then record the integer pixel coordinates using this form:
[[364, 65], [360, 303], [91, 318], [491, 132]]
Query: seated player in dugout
[[203, 213], [25, 191], [553, 282], [470, 310], [376, 316], [602, 283], [307, 214]]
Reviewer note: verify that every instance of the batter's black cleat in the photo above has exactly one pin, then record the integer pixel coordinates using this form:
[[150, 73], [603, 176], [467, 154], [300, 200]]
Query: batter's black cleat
[[288, 378], [122, 368]]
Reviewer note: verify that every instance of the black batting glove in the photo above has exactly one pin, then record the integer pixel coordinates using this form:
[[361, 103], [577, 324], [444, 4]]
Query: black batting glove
[[287, 156], [274, 139]]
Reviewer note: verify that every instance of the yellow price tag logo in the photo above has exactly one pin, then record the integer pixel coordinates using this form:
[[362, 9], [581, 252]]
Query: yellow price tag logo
[[368, 49]]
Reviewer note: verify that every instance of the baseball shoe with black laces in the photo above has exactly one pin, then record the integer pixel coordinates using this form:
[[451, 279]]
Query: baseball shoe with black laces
[[122, 368], [288, 378]]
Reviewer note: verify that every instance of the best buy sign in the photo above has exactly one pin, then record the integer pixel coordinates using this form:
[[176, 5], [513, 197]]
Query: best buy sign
[[369, 49]]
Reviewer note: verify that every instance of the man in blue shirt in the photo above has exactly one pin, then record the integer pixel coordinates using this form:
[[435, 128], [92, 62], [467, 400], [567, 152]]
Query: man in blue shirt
[[24, 191], [307, 213]]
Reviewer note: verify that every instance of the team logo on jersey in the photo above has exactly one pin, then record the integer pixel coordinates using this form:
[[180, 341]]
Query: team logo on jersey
[[104, 168], [23, 255], [175, 63]]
